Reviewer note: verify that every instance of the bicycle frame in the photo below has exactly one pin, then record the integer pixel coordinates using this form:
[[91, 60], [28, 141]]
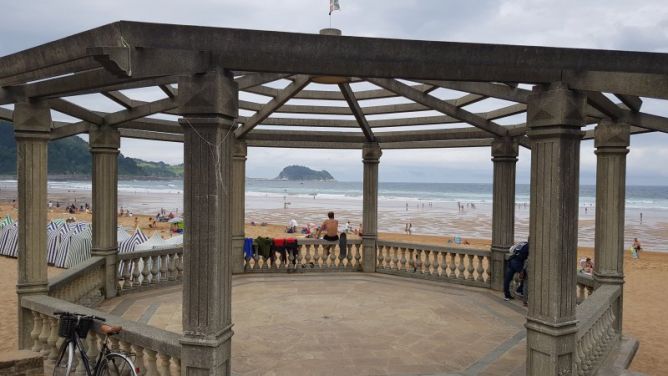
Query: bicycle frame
[[72, 344]]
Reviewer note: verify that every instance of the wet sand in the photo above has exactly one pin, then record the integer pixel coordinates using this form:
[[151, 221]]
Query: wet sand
[[645, 303]]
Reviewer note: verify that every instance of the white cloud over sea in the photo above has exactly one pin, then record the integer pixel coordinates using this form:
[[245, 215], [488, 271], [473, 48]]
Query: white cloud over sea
[[612, 24]]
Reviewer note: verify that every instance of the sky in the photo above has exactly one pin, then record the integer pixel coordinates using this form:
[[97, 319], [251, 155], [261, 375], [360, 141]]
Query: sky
[[611, 24]]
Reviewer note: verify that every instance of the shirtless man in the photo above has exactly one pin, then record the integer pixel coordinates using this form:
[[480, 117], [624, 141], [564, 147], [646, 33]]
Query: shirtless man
[[331, 228]]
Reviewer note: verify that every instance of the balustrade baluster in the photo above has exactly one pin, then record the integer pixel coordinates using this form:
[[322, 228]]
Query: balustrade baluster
[[139, 358], [307, 255], [358, 257], [151, 366], [349, 257], [341, 258], [316, 255], [93, 349], [36, 330], [51, 341], [163, 366], [135, 273], [480, 270], [332, 257], [171, 267], [44, 336], [461, 267], [176, 367], [179, 267], [163, 268], [145, 271], [435, 264], [379, 257], [394, 251], [403, 261], [453, 265], [125, 275], [427, 262], [155, 270], [470, 269]]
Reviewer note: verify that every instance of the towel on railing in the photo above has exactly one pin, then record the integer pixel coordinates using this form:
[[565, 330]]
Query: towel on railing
[[248, 248]]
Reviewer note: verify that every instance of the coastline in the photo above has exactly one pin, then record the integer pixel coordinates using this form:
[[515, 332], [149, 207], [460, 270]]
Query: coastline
[[645, 284]]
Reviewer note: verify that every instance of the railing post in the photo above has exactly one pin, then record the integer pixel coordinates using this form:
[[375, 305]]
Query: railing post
[[504, 157], [555, 117], [371, 154], [104, 143], [32, 123], [209, 104], [611, 141]]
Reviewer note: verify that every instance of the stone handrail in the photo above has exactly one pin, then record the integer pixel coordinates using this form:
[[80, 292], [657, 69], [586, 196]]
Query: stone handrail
[[596, 333], [464, 265], [313, 255], [149, 268], [156, 351], [585, 286], [80, 284]]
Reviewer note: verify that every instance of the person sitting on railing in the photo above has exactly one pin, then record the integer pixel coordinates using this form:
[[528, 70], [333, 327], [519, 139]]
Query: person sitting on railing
[[518, 255]]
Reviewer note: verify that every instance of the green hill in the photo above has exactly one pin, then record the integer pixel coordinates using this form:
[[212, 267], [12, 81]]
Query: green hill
[[70, 156], [303, 173]]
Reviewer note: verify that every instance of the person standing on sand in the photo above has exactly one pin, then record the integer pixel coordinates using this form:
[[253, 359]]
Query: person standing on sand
[[636, 247]]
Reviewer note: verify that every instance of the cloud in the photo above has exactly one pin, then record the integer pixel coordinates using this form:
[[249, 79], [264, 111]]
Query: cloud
[[612, 24]]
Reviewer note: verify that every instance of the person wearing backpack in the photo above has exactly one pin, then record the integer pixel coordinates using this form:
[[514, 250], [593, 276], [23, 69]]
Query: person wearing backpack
[[518, 255]]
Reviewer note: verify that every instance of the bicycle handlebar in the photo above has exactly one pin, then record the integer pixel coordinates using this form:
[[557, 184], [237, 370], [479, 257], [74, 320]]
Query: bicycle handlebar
[[62, 313]]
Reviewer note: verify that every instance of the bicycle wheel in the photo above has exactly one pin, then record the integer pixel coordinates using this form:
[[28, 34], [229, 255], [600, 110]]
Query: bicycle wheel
[[65, 360], [117, 365]]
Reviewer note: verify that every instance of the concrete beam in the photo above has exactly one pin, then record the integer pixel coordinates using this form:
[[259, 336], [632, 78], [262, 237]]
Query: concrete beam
[[270, 107], [69, 108], [256, 79], [603, 104], [632, 102], [357, 111], [149, 135], [140, 111], [441, 106]]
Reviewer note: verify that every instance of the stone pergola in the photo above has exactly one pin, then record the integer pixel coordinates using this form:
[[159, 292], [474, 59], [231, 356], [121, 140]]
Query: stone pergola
[[202, 71]]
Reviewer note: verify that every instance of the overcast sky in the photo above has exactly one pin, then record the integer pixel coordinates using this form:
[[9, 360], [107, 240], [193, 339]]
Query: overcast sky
[[611, 24]]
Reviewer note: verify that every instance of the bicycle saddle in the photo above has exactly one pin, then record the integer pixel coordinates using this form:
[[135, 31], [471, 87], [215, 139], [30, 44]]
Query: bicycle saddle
[[110, 329]]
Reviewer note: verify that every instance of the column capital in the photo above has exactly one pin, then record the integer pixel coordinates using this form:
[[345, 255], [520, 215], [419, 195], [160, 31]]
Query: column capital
[[611, 135], [504, 149], [239, 149], [32, 119], [103, 137], [551, 109], [371, 152], [211, 94]]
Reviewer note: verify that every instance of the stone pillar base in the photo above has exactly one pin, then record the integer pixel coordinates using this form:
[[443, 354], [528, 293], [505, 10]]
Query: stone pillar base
[[237, 254], [207, 356], [498, 266], [369, 254], [549, 348]]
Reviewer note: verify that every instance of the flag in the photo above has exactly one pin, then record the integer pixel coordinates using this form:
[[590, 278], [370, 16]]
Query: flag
[[333, 5]]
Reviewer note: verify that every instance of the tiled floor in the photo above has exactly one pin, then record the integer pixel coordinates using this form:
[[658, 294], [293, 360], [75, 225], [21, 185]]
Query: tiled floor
[[354, 324]]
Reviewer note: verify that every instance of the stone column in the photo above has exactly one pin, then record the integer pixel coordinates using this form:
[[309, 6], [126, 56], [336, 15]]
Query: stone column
[[32, 123], [611, 141], [504, 157], [209, 106], [370, 157], [104, 144], [239, 153], [555, 116]]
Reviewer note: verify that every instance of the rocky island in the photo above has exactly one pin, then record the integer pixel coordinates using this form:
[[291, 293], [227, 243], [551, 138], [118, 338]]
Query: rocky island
[[303, 173]]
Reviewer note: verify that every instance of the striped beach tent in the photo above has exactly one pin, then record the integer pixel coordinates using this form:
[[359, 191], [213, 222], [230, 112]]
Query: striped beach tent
[[53, 239], [174, 241], [121, 234], [9, 240], [129, 245], [80, 247], [155, 241], [6, 221]]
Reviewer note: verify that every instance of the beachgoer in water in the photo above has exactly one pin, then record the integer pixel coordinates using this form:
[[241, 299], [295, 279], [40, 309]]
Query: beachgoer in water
[[636, 247]]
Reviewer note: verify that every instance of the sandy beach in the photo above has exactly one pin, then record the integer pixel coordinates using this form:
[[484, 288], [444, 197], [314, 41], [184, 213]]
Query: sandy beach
[[644, 292]]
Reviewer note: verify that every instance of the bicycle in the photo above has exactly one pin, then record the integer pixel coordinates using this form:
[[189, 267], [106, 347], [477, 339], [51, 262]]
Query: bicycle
[[74, 328]]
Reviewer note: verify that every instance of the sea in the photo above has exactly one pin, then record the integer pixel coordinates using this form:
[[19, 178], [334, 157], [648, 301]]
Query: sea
[[431, 208]]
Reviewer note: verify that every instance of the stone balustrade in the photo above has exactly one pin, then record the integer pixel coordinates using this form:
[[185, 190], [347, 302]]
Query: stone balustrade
[[158, 267], [585, 286], [81, 284], [313, 255], [464, 265], [154, 351], [596, 333]]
